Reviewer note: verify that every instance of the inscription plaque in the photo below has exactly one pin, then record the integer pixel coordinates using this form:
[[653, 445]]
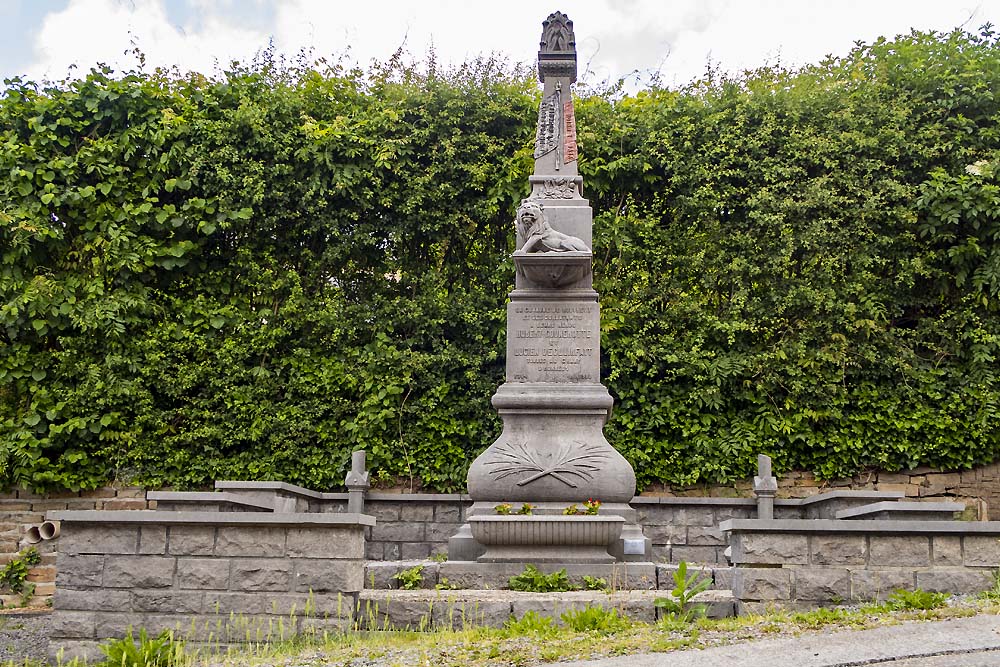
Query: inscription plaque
[[547, 134], [569, 133], [553, 341]]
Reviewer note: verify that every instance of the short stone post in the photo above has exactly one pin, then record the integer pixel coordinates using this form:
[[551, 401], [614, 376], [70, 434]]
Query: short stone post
[[357, 483], [765, 487]]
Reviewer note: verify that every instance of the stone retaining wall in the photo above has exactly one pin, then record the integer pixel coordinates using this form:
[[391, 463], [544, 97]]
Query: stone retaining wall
[[804, 564], [212, 577], [19, 510], [416, 526]]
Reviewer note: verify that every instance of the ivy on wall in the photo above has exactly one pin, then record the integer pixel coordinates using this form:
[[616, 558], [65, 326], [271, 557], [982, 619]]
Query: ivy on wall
[[253, 274]]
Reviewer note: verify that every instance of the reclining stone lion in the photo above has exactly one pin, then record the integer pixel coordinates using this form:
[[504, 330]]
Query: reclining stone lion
[[539, 236]]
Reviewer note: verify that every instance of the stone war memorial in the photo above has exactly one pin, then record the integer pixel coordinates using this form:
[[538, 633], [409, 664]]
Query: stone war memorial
[[550, 492], [552, 452]]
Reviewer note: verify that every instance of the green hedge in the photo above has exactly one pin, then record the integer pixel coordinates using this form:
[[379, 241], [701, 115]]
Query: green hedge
[[252, 275]]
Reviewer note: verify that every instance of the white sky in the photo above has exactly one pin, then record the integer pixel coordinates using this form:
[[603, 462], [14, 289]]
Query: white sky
[[44, 38]]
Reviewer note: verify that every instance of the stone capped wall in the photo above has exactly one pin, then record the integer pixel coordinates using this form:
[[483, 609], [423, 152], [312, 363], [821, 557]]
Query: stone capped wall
[[809, 563], [210, 577], [20, 509]]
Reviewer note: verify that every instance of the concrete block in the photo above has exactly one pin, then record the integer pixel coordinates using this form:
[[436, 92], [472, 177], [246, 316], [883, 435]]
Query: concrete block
[[422, 512], [383, 511], [79, 571], [876, 585], [225, 603], [981, 550], [444, 610], [899, 550], [770, 548], [722, 578], [751, 607], [115, 625], [398, 532], [695, 516], [451, 513], [325, 543], [783, 512], [724, 513], [688, 554], [946, 550], [72, 625], [138, 572], [705, 536], [838, 549], [656, 515], [374, 551], [770, 583], [203, 573], [414, 550], [821, 584], [660, 553], [440, 532], [666, 534], [957, 581], [192, 540], [90, 600], [153, 539], [123, 504], [251, 541], [261, 574], [173, 602], [943, 480], [42, 573], [329, 576], [665, 574], [382, 576], [64, 651], [390, 551], [98, 539]]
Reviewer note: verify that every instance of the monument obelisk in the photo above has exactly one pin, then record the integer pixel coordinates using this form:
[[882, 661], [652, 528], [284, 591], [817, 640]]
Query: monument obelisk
[[552, 450]]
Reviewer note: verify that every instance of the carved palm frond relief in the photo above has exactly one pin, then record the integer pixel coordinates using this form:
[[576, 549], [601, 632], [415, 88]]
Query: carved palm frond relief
[[576, 459]]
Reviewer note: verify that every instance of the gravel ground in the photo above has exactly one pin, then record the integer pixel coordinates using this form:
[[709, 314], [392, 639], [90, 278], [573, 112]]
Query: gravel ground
[[24, 636]]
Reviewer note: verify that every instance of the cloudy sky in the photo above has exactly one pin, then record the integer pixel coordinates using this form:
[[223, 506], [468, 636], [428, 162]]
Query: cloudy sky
[[677, 38]]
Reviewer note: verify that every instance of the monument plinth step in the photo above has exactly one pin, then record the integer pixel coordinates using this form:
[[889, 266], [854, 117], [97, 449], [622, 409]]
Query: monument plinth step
[[458, 609]]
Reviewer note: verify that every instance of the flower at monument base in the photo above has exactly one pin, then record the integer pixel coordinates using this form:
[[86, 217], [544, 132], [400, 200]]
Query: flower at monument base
[[592, 506]]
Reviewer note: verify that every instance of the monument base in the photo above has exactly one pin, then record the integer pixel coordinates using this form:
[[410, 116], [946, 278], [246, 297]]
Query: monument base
[[552, 448], [631, 546], [545, 554]]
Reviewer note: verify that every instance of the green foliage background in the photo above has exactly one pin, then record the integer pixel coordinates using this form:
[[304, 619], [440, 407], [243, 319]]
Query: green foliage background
[[251, 275]]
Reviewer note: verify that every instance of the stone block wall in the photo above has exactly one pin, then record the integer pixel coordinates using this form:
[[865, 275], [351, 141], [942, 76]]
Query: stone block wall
[[417, 526], [410, 526], [211, 578], [804, 564], [20, 509]]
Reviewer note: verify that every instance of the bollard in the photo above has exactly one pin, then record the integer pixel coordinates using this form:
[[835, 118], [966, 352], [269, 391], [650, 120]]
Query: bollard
[[765, 487], [357, 483]]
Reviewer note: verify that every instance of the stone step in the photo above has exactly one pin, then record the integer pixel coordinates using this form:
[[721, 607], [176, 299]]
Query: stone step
[[495, 576], [207, 501], [427, 610], [382, 575], [905, 511]]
